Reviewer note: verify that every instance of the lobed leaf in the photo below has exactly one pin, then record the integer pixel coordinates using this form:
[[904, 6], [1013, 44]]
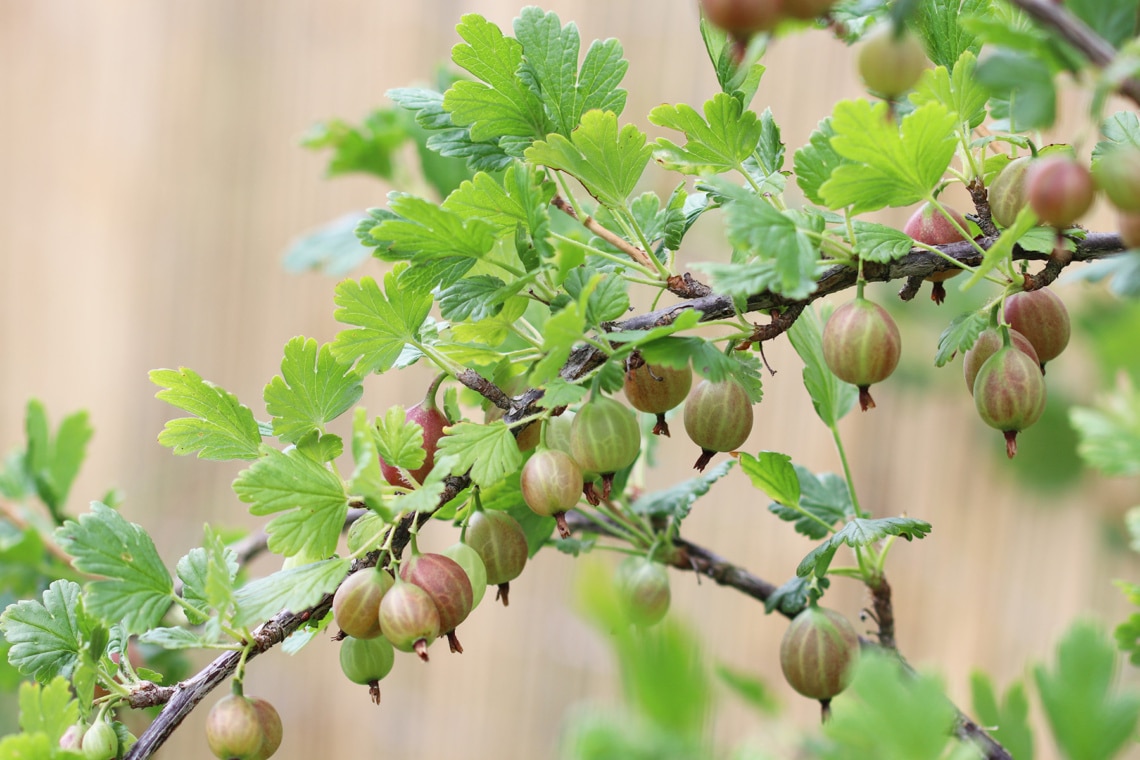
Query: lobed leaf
[[294, 589], [676, 501], [138, 590], [607, 162], [1088, 716], [220, 427], [1009, 721], [47, 709], [1110, 431], [500, 104], [859, 532], [383, 321], [52, 462], [891, 164], [310, 499], [773, 473], [549, 69], [716, 143], [45, 638], [489, 450], [880, 243], [960, 335], [207, 574], [959, 91], [312, 389]]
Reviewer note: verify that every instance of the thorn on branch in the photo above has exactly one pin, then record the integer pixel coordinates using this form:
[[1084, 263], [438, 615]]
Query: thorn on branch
[[596, 227]]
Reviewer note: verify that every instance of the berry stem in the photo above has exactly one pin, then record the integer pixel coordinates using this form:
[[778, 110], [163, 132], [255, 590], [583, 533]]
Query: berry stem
[[1010, 443]]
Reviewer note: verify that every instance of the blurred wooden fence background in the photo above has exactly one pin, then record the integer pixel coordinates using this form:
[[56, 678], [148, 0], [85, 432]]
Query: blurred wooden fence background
[[149, 181]]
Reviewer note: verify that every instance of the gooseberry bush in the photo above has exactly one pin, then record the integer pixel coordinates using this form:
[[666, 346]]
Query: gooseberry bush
[[515, 286]]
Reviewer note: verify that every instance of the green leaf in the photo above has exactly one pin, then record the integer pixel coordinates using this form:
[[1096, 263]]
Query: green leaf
[[294, 589], [945, 39], [893, 164], [1088, 717], [332, 248], [1110, 432], [28, 747], [312, 389], [369, 148], [54, 461], [739, 81], [367, 481], [773, 473], [1026, 82], [1002, 248], [663, 668], [778, 250], [831, 397], [220, 427], [500, 104], [423, 231], [561, 393], [792, 597], [880, 243], [575, 547], [888, 713], [321, 448], [1122, 129], [719, 142], [446, 140], [559, 335], [960, 335], [400, 441], [1127, 635], [958, 92], [520, 199], [823, 501], [750, 688], [815, 162], [678, 500], [607, 298], [1007, 723], [489, 450], [770, 150], [859, 532], [707, 360], [45, 638], [383, 324], [474, 298], [1124, 269], [607, 162], [175, 638], [48, 709], [310, 497], [550, 69], [138, 590], [1114, 20], [207, 574]]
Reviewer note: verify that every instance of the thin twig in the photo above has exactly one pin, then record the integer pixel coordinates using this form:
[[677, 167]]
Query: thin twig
[[596, 227], [10, 513]]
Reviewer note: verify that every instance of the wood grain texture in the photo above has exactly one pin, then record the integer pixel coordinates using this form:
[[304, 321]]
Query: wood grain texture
[[149, 181]]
